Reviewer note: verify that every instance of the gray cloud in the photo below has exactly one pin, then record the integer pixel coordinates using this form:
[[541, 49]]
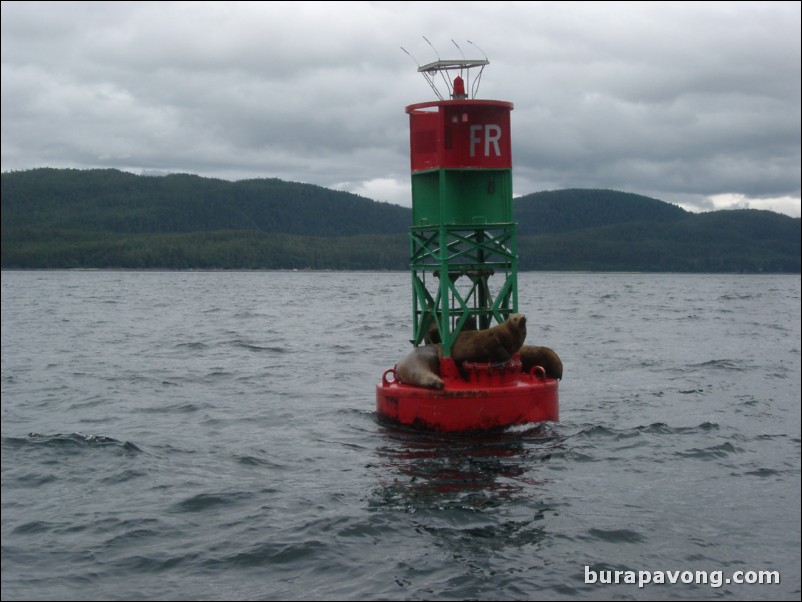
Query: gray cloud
[[693, 103]]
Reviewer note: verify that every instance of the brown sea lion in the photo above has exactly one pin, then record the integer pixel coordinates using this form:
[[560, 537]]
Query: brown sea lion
[[493, 345], [421, 367], [433, 335], [533, 355]]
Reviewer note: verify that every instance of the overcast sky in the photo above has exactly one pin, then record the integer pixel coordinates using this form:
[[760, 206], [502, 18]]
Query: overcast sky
[[695, 103]]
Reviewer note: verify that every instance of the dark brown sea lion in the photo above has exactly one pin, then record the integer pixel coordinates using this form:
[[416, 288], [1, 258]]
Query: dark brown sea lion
[[421, 367], [493, 345], [532, 355]]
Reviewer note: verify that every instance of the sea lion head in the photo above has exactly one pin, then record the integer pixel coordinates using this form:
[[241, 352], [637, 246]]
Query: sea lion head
[[519, 322]]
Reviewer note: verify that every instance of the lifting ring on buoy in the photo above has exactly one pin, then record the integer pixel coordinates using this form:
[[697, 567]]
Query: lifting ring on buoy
[[537, 371], [386, 382]]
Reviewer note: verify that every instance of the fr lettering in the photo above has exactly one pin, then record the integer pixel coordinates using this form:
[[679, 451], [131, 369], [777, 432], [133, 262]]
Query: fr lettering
[[490, 135]]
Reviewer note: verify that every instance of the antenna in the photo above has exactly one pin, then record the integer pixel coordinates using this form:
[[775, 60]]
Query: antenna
[[458, 48], [441, 66], [421, 69], [479, 49], [410, 56], [475, 89], [437, 54], [445, 79]]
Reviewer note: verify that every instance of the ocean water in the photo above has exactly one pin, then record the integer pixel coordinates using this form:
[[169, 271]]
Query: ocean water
[[212, 436]]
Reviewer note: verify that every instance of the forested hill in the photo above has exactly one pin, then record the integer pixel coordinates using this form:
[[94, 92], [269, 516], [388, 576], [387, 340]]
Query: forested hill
[[108, 200], [557, 211], [607, 230], [103, 218]]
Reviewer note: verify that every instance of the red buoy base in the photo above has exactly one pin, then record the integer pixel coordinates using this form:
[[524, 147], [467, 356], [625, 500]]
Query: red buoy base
[[482, 397]]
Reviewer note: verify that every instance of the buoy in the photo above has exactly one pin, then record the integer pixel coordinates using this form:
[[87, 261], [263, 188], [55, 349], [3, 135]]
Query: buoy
[[464, 263]]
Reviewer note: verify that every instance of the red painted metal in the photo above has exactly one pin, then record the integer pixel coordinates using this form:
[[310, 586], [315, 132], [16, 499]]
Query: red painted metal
[[460, 134], [484, 397], [459, 88]]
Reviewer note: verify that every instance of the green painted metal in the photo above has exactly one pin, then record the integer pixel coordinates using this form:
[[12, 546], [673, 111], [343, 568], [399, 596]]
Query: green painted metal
[[461, 272], [461, 196]]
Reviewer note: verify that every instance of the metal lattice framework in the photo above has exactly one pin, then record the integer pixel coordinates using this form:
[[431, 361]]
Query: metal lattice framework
[[474, 274]]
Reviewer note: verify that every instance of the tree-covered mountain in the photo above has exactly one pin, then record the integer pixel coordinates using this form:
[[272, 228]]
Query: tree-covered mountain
[[558, 211], [108, 200], [104, 218], [606, 230]]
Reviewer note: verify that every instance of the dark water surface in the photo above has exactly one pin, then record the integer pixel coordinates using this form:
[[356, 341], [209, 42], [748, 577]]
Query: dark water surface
[[212, 435]]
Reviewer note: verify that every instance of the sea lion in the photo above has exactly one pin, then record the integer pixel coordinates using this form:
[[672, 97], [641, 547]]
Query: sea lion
[[493, 345], [533, 355], [421, 367], [433, 334]]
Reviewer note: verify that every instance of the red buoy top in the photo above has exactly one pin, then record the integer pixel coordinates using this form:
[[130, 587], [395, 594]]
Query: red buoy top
[[460, 134]]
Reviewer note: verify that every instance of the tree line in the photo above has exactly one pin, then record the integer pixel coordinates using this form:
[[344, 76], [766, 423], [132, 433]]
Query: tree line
[[104, 218]]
